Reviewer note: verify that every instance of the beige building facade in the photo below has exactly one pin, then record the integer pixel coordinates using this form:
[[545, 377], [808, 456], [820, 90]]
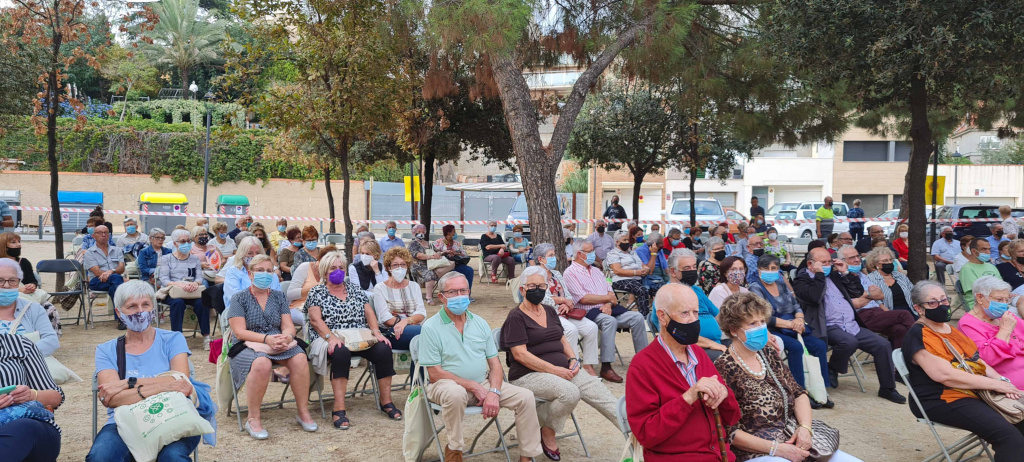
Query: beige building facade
[[870, 168]]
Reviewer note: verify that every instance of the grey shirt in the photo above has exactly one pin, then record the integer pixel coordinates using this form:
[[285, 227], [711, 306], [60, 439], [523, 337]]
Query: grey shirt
[[172, 269], [95, 257]]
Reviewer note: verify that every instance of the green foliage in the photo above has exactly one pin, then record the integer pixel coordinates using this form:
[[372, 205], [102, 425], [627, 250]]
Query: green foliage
[[86, 77], [575, 181], [184, 37], [129, 73], [482, 26], [18, 66], [1011, 152], [175, 111]]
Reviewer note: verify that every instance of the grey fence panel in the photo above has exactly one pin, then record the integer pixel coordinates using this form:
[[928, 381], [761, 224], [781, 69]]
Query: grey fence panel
[[487, 206]]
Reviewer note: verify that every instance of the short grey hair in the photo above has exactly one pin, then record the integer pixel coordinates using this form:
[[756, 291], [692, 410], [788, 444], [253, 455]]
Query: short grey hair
[[918, 292], [985, 285], [157, 231], [945, 228], [622, 233], [992, 226], [419, 226], [676, 255], [872, 257], [448, 277], [654, 237], [542, 249], [241, 219], [713, 242], [846, 247], [134, 289], [10, 263], [242, 235], [531, 271], [391, 223], [180, 233], [674, 231]]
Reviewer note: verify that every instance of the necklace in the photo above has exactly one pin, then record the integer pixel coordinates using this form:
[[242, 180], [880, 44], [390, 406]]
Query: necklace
[[743, 364]]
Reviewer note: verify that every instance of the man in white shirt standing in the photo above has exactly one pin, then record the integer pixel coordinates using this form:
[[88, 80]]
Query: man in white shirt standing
[[944, 251]]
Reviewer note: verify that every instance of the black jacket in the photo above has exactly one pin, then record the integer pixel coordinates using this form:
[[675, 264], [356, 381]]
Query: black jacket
[[810, 293]]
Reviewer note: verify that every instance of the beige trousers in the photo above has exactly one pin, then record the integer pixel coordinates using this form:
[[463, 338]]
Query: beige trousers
[[563, 395], [453, 400]]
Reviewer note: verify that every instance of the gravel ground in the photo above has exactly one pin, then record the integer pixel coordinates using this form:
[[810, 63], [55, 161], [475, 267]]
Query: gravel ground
[[871, 428]]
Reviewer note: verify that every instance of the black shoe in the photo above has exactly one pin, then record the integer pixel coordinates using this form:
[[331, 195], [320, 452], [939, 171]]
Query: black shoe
[[833, 378], [815, 404], [892, 395], [828, 404], [121, 326]]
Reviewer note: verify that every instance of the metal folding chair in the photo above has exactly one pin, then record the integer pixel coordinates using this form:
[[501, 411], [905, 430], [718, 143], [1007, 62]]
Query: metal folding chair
[[962, 446], [69, 266]]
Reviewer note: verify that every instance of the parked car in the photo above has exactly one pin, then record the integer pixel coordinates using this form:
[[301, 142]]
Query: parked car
[[707, 210], [807, 211], [520, 212], [793, 230], [954, 213], [774, 210], [887, 220]]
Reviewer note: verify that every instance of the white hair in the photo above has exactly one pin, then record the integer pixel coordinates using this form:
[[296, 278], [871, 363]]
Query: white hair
[[678, 254], [327, 260], [846, 247], [180, 233], [134, 289], [448, 277], [532, 271], [243, 250], [10, 263], [985, 285], [622, 233]]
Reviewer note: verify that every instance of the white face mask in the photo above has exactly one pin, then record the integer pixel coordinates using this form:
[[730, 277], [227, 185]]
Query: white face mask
[[367, 259], [903, 235], [398, 274]]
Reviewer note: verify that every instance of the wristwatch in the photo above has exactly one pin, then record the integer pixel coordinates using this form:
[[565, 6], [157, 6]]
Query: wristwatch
[[132, 381], [328, 336], [495, 391]]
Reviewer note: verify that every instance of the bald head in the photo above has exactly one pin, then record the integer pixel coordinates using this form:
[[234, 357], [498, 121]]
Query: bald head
[[820, 255], [675, 302]]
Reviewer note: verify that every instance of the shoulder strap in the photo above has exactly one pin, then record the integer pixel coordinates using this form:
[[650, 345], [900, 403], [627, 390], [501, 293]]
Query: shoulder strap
[[17, 321], [956, 354], [122, 366]]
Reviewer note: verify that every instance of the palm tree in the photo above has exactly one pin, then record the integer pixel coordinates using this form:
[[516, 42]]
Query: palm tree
[[184, 38]]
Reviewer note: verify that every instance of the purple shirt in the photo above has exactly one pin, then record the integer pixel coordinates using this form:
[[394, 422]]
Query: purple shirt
[[838, 311]]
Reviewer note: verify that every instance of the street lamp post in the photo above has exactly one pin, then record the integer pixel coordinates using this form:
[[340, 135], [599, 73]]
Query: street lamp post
[[956, 172], [206, 162]]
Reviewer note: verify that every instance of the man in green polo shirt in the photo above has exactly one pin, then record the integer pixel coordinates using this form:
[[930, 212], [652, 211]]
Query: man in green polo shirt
[[825, 219], [461, 358]]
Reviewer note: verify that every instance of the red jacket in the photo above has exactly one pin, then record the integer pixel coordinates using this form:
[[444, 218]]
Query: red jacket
[[667, 427]]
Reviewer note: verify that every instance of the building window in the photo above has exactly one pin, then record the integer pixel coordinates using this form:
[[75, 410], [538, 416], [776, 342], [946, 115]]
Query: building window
[[989, 143], [865, 151], [902, 153]]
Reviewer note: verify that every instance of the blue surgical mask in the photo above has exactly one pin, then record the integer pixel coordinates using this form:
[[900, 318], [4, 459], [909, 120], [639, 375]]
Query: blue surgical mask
[[493, 228], [995, 310], [517, 235], [458, 305], [591, 257], [550, 263], [89, 230], [8, 296], [222, 236], [310, 245], [130, 229], [281, 229], [769, 277], [983, 257], [856, 268], [757, 338], [185, 248], [826, 270], [297, 244], [262, 280], [675, 242], [391, 232]]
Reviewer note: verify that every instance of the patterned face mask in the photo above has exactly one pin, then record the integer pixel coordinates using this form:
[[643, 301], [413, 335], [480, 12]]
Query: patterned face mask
[[737, 277]]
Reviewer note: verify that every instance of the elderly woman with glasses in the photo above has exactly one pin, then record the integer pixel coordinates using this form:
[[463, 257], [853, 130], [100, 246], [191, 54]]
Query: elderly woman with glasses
[[882, 272], [422, 252], [543, 361], [182, 269], [932, 350], [995, 328], [398, 301], [149, 257], [628, 270], [205, 250]]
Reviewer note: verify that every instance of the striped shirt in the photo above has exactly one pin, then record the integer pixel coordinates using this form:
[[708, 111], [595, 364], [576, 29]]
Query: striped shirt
[[688, 369], [582, 280], [21, 364]]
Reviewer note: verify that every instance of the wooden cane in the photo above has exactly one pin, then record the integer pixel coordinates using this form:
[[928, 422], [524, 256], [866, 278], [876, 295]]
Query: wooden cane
[[723, 452]]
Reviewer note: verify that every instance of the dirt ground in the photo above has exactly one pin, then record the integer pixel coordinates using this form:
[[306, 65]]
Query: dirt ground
[[872, 429]]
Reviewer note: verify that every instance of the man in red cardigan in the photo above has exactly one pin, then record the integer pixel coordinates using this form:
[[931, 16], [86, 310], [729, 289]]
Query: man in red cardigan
[[665, 412]]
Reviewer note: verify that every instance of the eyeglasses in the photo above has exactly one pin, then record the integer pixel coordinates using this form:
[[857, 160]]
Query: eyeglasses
[[536, 286], [935, 303], [455, 292], [998, 300], [9, 282], [185, 241], [399, 265]]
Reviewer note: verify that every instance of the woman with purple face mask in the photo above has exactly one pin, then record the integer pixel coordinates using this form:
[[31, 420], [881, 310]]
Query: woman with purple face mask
[[733, 277], [338, 304]]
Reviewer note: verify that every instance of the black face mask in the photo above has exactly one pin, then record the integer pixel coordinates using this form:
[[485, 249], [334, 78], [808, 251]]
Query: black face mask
[[14, 253], [600, 229], [888, 268], [624, 246], [685, 334], [758, 252], [1020, 260], [941, 313], [568, 241], [720, 255], [999, 234], [948, 236], [535, 296], [688, 277], [203, 240]]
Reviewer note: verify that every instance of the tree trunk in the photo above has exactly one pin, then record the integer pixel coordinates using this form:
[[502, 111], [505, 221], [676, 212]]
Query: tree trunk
[[917, 171], [330, 195], [345, 209], [693, 197], [427, 180], [638, 180], [124, 109], [183, 72], [52, 105]]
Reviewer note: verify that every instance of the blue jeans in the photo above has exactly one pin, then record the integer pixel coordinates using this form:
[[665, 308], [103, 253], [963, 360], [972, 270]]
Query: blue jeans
[[29, 440], [795, 353], [178, 313], [410, 331], [113, 282], [109, 447], [467, 271]]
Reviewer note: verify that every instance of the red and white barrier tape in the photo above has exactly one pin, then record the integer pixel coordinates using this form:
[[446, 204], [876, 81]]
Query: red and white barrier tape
[[473, 222]]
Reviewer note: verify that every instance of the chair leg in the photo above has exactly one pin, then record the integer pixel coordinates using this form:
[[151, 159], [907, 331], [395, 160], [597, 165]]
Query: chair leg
[[481, 433], [579, 433], [238, 406], [501, 438], [857, 372]]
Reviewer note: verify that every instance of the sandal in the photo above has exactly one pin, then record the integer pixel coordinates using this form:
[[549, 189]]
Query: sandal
[[391, 411], [494, 279], [342, 421]]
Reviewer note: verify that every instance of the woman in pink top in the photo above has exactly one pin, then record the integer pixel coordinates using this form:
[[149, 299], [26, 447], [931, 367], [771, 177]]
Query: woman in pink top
[[204, 249], [996, 329]]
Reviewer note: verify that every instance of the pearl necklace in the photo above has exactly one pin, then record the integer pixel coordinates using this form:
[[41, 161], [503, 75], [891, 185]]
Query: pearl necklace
[[764, 368]]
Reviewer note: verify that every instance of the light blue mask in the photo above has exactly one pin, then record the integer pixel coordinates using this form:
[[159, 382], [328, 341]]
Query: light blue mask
[[222, 236], [8, 296], [297, 244], [310, 245], [493, 228], [757, 338], [185, 248], [391, 232], [517, 235], [983, 257], [262, 280], [130, 229], [89, 230], [675, 242], [826, 270], [769, 277], [856, 268], [550, 263], [281, 229], [591, 257], [458, 305], [995, 310]]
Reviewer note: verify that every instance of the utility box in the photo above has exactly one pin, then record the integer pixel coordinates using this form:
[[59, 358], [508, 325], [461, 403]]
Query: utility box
[[231, 204], [162, 202], [73, 221]]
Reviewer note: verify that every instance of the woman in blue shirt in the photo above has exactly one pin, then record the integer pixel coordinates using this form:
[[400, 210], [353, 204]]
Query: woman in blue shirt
[[236, 278], [149, 352], [150, 256]]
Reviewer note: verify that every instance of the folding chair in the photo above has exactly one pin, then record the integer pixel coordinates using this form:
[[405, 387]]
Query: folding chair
[[961, 297], [620, 412], [962, 446], [496, 333], [423, 380], [68, 266], [855, 370]]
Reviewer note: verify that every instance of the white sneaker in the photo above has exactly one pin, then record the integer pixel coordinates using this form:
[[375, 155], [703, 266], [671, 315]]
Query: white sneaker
[[206, 343]]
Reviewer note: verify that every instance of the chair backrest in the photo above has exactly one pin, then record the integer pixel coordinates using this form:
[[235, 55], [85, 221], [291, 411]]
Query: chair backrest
[[959, 288], [77, 241], [63, 265], [620, 412], [901, 368], [496, 333], [406, 236], [414, 352], [284, 286], [472, 242]]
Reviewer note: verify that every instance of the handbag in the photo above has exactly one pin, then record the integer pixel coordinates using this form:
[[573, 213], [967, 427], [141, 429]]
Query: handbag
[[1011, 409], [814, 381], [824, 439], [576, 313], [435, 264], [461, 261], [28, 410], [633, 452], [182, 294], [417, 434], [357, 339]]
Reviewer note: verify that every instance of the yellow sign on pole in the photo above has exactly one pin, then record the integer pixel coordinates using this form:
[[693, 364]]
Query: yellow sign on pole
[[412, 188], [937, 184]]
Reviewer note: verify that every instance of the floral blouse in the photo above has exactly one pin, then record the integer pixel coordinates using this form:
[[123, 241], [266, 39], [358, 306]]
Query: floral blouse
[[762, 409], [441, 246], [349, 313], [707, 275], [777, 250]]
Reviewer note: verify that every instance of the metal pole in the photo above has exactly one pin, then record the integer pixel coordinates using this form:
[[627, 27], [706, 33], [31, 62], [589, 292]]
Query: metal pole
[[412, 193], [935, 187], [206, 163], [956, 175]]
